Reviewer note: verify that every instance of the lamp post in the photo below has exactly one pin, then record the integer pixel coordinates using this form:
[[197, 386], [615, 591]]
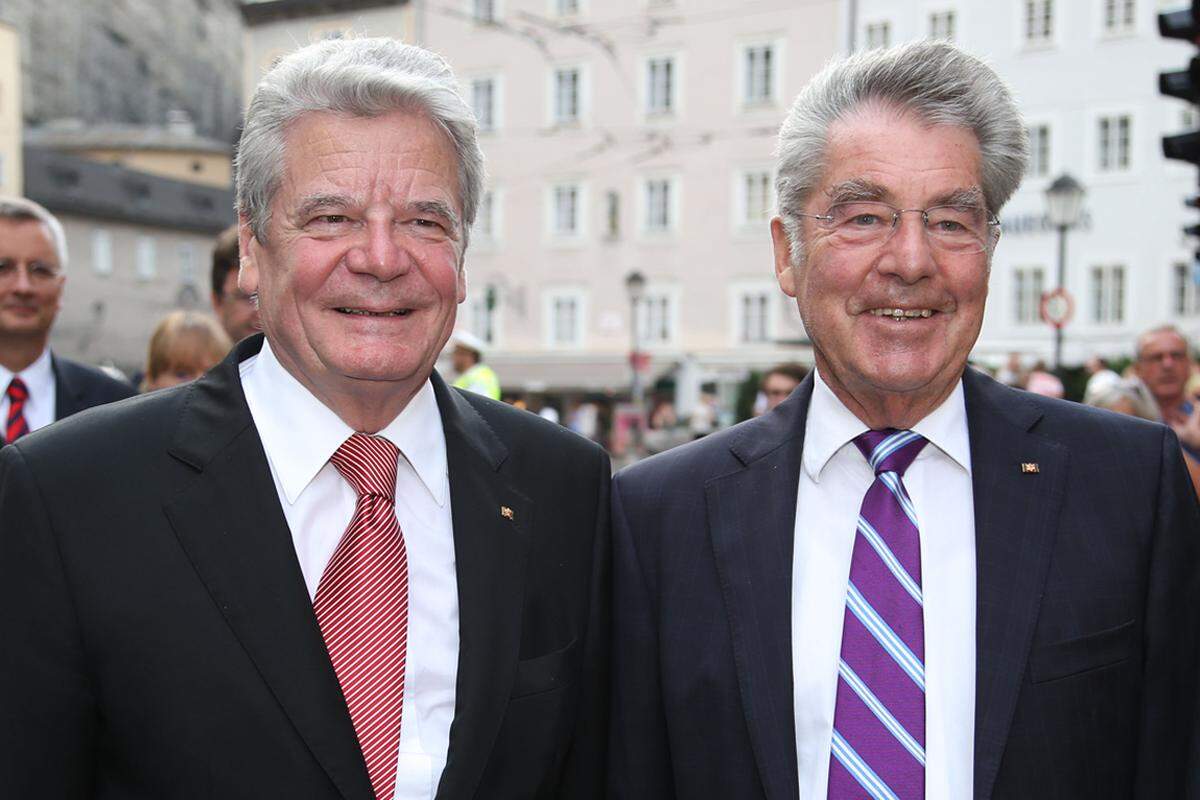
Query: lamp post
[[1064, 207], [635, 287]]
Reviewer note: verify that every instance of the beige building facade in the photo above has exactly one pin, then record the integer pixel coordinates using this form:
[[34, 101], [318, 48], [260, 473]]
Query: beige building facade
[[11, 178], [629, 137]]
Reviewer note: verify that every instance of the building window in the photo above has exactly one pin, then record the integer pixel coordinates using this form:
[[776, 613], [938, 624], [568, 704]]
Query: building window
[[879, 34], [483, 102], [1108, 295], [1186, 301], [658, 205], [754, 316], [483, 315], [187, 264], [483, 10], [1113, 146], [1039, 150], [567, 89], [1028, 286], [612, 215], [654, 319], [565, 318], [1039, 21], [660, 85], [757, 197], [942, 25], [1119, 16], [565, 210], [566, 8], [102, 261], [144, 257], [759, 61], [485, 218]]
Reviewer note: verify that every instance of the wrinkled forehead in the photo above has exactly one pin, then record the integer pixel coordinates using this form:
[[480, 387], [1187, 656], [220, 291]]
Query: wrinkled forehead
[[27, 239]]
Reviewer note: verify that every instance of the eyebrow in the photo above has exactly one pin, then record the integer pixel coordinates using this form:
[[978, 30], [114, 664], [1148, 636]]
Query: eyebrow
[[860, 189], [438, 208], [320, 202]]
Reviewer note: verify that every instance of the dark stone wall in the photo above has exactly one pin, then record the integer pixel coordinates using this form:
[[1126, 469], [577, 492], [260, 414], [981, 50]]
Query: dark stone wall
[[131, 61]]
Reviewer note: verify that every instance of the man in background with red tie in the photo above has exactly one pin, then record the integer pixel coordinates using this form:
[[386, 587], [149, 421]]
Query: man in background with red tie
[[318, 571], [907, 581], [38, 387]]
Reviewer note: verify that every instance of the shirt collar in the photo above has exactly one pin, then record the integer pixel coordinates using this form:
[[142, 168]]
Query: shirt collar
[[831, 426], [297, 458], [38, 377]]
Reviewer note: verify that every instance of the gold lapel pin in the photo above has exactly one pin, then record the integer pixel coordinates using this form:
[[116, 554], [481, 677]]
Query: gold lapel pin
[[506, 512], [1029, 468]]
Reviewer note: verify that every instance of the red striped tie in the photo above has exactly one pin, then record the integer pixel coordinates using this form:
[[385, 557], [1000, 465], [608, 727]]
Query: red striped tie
[[362, 606], [15, 426]]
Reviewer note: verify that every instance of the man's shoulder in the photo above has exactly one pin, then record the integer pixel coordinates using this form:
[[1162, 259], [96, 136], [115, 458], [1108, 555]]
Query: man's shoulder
[[94, 382]]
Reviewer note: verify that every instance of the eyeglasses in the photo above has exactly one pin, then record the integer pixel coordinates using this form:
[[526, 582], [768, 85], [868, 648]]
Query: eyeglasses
[[867, 223], [40, 273]]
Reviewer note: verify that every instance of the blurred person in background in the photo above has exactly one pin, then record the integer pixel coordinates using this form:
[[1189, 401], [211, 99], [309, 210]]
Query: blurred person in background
[[779, 382], [184, 346], [1044, 382], [38, 386], [235, 309], [1163, 361], [1100, 377], [467, 360]]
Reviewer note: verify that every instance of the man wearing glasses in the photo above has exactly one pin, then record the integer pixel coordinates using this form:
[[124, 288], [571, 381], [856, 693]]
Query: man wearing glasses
[[907, 581], [37, 387]]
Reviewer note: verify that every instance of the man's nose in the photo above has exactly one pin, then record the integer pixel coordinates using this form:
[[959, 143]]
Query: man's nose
[[23, 282], [908, 253], [383, 254]]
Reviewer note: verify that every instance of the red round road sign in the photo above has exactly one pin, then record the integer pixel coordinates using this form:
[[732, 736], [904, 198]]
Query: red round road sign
[[1057, 307]]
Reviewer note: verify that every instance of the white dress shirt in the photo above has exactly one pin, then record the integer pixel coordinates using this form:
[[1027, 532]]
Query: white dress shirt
[[42, 403], [299, 435], [833, 480]]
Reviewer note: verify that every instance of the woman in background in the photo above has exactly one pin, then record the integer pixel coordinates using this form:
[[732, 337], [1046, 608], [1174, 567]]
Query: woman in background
[[184, 345]]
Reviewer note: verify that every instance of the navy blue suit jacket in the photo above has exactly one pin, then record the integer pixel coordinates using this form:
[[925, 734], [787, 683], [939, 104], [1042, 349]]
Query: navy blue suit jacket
[[1088, 607]]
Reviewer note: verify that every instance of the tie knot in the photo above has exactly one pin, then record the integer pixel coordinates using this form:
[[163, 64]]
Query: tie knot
[[890, 450], [368, 463], [17, 390]]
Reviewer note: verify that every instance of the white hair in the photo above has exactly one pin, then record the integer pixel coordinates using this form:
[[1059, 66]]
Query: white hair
[[366, 77], [935, 81], [18, 209]]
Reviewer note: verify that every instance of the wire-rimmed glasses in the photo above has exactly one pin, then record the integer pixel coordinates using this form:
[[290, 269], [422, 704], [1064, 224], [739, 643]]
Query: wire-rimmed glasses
[[955, 229]]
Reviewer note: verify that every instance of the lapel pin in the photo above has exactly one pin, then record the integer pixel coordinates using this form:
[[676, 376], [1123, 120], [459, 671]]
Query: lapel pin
[[1029, 468], [506, 512]]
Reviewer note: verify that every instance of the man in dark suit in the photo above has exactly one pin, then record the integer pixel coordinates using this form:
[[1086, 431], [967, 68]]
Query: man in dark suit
[[316, 572], [39, 387], [907, 581]]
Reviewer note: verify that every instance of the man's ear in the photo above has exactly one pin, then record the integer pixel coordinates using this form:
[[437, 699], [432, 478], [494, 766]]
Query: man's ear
[[248, 252], [462, 283], [784, 273]]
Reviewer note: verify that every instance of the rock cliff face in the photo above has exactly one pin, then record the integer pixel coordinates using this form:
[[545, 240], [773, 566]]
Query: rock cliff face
[[131, 61]]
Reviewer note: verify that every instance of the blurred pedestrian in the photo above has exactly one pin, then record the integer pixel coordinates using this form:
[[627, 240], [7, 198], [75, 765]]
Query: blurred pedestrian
[[779, 382], [1163, 361], [467, 360], [236, 310], [38, 386], [1100, 378], [1013, 373], [184, 346], [1041, 381]]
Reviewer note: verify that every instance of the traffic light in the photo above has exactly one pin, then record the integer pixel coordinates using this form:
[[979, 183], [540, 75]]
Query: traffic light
[[1183, 84]]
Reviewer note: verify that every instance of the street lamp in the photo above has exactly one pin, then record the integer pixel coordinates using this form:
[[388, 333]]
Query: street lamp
[[1064, 207], [635, 287]]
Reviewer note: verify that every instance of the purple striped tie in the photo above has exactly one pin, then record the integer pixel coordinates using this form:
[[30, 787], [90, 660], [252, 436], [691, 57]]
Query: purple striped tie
[[878, 747]]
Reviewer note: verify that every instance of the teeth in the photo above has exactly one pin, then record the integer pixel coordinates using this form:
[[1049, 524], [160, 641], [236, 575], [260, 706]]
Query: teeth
[[902, 313], [400, 312]]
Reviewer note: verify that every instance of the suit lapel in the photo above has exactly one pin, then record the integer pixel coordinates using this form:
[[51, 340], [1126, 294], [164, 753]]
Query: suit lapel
[[232, 527], [492, 523], [1016, 516], [751, 517]]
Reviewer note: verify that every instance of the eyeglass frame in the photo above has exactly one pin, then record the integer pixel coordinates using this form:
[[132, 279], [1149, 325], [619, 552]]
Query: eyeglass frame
[[39, 273], [993, 222]]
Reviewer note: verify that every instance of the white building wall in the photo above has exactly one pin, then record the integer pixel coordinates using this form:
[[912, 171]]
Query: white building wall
[[1133, 218], [701, 150]]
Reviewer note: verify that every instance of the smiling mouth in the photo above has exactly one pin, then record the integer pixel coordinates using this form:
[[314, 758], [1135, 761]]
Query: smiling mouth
[[902, 313], [362, 312]]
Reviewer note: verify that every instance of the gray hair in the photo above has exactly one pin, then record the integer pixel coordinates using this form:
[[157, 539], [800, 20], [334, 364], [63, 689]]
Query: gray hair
[[1132, 392], [1164, 328], [18, 209], [356, 77], [937, 82]]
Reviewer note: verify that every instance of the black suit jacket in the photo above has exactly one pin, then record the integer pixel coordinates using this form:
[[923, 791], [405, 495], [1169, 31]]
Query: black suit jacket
[[1088, 593], [78, 386], [159, 642]]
